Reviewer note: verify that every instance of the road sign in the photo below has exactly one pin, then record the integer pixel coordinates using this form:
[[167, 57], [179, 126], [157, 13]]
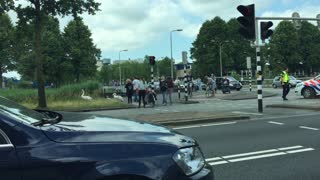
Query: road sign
[[248, 62]]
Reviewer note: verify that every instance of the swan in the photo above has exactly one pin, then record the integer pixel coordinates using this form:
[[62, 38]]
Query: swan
[[117, 97], [85, 97]]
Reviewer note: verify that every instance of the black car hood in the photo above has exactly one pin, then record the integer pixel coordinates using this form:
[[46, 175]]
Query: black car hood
[[99, 129]]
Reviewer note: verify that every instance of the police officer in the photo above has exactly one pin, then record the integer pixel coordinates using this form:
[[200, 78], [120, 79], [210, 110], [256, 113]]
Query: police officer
[[285, 83]]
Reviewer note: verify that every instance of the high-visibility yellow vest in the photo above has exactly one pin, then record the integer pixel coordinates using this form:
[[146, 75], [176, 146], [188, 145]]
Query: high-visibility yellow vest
[[285, 77]]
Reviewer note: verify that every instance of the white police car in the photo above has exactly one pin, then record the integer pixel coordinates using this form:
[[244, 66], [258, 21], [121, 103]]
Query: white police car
[[309, 89]]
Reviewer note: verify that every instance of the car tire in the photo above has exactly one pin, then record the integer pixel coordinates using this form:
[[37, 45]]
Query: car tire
[[238, 89], [308, 93]]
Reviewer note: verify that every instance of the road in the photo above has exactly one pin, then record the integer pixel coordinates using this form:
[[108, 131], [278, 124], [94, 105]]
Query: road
[[285, 148]]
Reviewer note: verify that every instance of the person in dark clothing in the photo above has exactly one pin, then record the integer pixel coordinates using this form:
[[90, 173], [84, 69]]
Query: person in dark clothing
[[170, 85], [129, 90], [163, 89]]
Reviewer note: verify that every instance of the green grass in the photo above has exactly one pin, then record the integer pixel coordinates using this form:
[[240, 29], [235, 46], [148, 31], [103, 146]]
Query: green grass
[[65, 98]]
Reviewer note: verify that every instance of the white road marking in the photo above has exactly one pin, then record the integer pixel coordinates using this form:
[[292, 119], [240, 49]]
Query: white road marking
[[205, 125], [218, 162], [214, 159], [288, 148], [248, 113], [310, 128], [300, 150], [273, 122], [250, 153], [257, 155]]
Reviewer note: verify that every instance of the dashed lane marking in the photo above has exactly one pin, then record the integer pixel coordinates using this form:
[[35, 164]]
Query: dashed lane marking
[[257, 155], [273, 122]]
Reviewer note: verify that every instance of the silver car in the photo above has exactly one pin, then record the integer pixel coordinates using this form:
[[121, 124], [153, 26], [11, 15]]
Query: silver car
[[292, 82]]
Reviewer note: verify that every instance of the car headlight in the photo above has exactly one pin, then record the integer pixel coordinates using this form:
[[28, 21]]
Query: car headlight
[[231, 84], [190, 160], [240, 84]]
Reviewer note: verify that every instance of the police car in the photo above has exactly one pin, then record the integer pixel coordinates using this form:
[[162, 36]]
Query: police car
[[309, 89]]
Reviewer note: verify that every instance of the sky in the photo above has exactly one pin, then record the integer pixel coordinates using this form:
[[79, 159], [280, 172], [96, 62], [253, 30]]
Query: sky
[[143, 26]]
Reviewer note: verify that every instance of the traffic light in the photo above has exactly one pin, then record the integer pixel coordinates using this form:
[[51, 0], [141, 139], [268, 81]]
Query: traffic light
[[265, 31], [247, 21], [152, 60]]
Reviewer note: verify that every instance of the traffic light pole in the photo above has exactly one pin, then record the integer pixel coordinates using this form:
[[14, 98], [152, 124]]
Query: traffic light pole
[[185, 83], [152, 79], [259, 69]]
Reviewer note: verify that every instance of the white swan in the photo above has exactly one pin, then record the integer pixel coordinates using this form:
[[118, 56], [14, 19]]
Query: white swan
[[117, 97], [85, 97]]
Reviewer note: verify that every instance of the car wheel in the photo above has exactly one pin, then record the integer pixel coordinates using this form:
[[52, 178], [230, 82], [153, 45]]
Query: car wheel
[[238, 89], [274, 86], [308, 93]]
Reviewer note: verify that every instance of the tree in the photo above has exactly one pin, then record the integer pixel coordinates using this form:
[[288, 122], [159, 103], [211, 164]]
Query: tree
[[205, 48], [6, 45], [38, 9], [284, 46], [309, 43], [80, 50]]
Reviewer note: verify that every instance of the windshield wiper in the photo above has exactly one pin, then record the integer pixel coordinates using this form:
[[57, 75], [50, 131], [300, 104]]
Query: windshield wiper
[[44, 121]]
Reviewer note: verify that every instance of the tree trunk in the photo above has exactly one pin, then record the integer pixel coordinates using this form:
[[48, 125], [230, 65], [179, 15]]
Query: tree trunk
[[38, 50]]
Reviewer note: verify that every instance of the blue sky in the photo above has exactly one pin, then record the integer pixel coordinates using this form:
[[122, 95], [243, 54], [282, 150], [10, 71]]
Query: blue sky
[[143, 26], [151, 30]]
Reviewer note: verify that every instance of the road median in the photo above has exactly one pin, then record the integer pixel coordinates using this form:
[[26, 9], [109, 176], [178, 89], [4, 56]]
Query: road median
[[190, 118]]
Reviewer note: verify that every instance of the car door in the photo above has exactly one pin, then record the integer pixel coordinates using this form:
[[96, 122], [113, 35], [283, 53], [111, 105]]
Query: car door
[[9, 164]]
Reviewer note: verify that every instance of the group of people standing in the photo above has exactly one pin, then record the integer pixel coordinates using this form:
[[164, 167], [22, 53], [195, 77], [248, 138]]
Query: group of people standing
[[136, 88], [166, 88]]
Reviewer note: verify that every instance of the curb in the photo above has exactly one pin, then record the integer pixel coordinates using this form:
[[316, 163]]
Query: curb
[[189, 102], [245, 98], [201, 121], [100, 109], [293, 107]]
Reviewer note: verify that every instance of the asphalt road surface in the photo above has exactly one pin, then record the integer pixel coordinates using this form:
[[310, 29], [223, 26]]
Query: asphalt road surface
[[284, 148]]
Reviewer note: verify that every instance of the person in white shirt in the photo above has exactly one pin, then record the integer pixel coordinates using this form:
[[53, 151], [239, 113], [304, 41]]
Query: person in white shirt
[[142, 91], [135, 83]]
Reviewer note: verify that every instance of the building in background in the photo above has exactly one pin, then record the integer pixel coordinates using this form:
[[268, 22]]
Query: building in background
[[100, 63]]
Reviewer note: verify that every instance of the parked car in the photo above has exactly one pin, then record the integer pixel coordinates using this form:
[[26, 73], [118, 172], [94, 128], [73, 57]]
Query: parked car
[[234, 84], [45, 145], [309, 89], [292, 82]]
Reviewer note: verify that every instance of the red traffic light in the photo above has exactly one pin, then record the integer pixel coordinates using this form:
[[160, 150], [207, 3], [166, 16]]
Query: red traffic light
[[247, 21], [152, 60]]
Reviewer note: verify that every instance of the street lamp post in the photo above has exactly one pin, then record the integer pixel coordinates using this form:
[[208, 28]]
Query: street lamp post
[[171, 49], [220, 54], [120, 64]]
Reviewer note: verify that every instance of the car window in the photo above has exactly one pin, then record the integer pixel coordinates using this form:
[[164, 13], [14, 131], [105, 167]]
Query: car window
[[277, 78], [317, 78], [16, 111], [2, 138], [292, 78]]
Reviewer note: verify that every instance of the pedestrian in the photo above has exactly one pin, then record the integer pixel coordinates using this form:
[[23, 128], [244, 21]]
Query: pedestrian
[[210, 85], [129, 90], [135, 83], [284, 78], [142, 92], [170, 86], [163, 89]]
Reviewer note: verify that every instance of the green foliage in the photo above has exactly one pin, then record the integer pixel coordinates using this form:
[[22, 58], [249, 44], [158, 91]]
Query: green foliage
[[6, 45], [80, 50], [214, 34], [64, 93]]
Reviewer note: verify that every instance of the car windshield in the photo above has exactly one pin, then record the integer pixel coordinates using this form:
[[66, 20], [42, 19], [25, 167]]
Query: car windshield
[[232, 78], [16, 111]]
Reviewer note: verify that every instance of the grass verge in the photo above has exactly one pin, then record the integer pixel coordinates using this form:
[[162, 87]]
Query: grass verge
[[80, 105]]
